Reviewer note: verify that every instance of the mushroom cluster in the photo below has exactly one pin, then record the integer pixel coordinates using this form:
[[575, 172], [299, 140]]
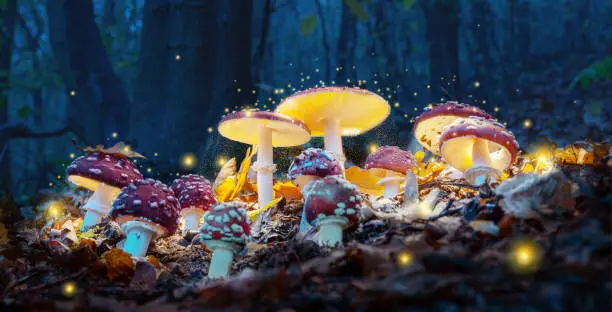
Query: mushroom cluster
[[145, 210], [196, 196], [104, 174]]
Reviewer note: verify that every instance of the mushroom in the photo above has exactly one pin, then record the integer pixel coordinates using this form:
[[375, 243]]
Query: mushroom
[[224, 232], [334, 112], [332, 205], [145, 210], [392, 163], [428, 126], [196, 196], [105, 175], [479, 147], [310, 165], [266, 130]]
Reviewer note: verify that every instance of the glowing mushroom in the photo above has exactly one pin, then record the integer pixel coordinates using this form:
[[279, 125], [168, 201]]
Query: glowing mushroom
[[332, 205], [393, 164], [428, 126], [225, 232], [266, 130], [145, 210], [196, 196], [104, 174], [334, 112], [310, 165], [479, 147]]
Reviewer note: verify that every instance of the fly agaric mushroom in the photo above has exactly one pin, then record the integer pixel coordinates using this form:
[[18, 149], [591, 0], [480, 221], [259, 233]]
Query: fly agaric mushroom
[[428, 126], [224, 232], [334, 112], [479, 147], [266, 130], [104, 174], [145, 210], [196, 196], [393, 164], [310, 165], [332, 205]]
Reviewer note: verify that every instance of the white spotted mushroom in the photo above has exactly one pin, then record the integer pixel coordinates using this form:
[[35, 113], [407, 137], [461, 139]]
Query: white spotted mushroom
[[196, 196]]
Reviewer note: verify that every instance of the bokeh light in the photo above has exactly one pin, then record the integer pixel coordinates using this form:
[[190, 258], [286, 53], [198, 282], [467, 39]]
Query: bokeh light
[[424, 209], [527, 123], [373, 148], [69, 289], [221, 160], [524, 256], [54, 209], [405, 259], [188, 161]]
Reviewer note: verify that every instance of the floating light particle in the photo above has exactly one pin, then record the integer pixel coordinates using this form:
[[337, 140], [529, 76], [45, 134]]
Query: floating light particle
[[238, 90], [396, 104], [477, 84], [114, 135], [428, 86], [316, 70], [430, 106], [188, 161], [484, 101], [210, 129], [50, 183], [415, 93], [59, 177], [54, 209], [527, 124], [226, 110], [126, 148], [307, 77], [253, 91], [496, 109], [69, 289], [149, 170], [524, 256], [221, 160], [405, 259], [415, 109], [405, 115], [275, 91], [177, 57], [301, 79], [424, 209], [72, 93], [71, 155], [155, 154], [373, 148], [348, 80]]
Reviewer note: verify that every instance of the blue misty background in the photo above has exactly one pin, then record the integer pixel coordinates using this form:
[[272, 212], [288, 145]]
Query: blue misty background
[[159, 74]]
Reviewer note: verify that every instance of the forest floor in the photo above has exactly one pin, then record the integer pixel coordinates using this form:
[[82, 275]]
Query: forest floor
[[472, 253]]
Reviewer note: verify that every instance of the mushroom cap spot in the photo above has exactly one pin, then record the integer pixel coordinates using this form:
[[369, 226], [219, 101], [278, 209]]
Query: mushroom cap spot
[[357, 110], [148, 200], [243, 127], [428, 126], [458, 138], [194, 191], [94, 168], [222, 223], [331, 196], [316, 162], [391, 158]]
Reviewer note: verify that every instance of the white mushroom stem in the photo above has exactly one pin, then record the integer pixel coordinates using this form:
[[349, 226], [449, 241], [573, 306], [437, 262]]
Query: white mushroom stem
[[481, 164], [391, 183], [301, 182], [139, 236], [222, 257], [411, 190], [191, 219], [330, 230], [98, 205], [264, 166], [333, 139]]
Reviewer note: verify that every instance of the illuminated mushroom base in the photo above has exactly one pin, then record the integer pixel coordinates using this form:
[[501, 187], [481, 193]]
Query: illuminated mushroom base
[[139, 234]]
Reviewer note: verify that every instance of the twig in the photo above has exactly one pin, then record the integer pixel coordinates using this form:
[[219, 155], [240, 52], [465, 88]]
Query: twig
[[57, 282]]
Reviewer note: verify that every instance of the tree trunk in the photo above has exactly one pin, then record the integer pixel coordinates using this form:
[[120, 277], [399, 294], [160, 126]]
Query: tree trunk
[[442, 19], [347, 43], [195, 56], [98, 101], [8, 13]]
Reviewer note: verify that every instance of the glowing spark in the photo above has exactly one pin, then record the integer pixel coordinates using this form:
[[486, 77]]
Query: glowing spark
[[221, 161], [72, 93], [54, 209], [155, 154], [496, 109], [525, 256], [188, 161], [405, 259], [476, 84], [148, 169], [396, 104], [226, 110], [50, 183], [69, 289], [72, 155], [114, 135], [428, 86], [424, 209], [238, 90], [527, 123], [178, 57], [415, 94], [373, 148], [210, 129]]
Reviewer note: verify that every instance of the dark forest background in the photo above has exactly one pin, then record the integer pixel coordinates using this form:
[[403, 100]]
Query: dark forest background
[[159, 74]]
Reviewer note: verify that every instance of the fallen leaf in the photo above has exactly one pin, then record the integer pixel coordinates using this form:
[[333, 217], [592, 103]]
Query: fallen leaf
[[288, 190], [228, 170], [242, 173], [254, 213], [364, 180], [120, 150], [119, 265], [224, 190]]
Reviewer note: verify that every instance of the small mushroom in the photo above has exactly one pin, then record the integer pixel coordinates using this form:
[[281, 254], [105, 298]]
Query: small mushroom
[[479, 147], [225, 231], [334, 112], [145, 210], [266, 130], [428, 126], [105, 175], [392, 163], [196, 196], [310, 165], [332, 205]]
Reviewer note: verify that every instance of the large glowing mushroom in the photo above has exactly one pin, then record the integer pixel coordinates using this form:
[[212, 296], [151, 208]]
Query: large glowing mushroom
[[104, 174], [265, 130], [334, 112], [428, 126], [145, 210], [392, 163], [479, 147]]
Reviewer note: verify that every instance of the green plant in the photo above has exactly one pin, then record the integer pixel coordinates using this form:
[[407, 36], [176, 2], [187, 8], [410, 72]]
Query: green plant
[[599, 70]]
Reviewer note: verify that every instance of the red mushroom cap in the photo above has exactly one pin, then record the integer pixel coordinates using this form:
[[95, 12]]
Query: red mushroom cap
[[194, 192], [391, 158], [109, 169], [502, 144], [332, 196], [428, 126], [316, 162], [227, 222], [148, 201]]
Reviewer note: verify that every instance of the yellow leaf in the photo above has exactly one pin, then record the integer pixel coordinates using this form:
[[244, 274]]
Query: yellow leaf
[[242, 173], [224, 190], [119, 265], [288, 190], [254, 213], [528, 168], [364, 180], [228, 170], [419, 156]]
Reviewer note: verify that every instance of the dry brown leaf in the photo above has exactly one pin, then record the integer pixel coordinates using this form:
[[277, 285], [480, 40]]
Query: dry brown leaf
[[154, 261], [119, 265], [120, 150], [582, 153]]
